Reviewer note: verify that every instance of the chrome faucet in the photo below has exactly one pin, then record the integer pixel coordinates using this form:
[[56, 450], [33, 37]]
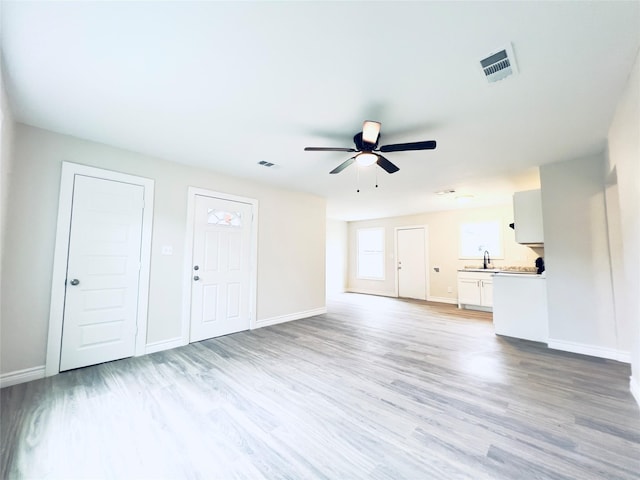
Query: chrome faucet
[[486, 261]]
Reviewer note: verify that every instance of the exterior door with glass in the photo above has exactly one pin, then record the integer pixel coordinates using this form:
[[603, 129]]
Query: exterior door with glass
[[221, 267]]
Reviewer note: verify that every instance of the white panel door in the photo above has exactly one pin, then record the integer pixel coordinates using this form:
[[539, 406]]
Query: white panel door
[[412, 278], [101, 301], [221, 267]]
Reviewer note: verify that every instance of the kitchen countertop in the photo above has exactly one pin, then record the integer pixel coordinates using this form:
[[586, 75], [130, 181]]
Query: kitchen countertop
[[532, 275], [514, 271], [488, 270]]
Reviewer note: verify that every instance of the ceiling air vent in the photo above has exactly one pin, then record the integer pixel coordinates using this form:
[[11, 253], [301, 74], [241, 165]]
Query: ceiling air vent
[[499, 65], [264, 163]]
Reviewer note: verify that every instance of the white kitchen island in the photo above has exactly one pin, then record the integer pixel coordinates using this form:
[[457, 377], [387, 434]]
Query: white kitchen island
[[520, 306]]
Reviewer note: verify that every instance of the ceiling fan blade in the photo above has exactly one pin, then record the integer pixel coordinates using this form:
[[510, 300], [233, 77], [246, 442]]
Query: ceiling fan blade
[[386, 165], [401, 147], [343, 165], [370, 131], [329, 149]]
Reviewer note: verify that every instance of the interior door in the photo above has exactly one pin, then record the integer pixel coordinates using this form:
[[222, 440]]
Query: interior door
[[412, 278], [103, 268], [221, 267]]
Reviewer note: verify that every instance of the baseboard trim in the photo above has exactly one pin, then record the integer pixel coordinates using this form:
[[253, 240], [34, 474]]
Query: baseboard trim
[[289, 317], [451, 301], [634, 386], [372, 292], [163, 345], [477, 308], [21, 376], [591, 350]]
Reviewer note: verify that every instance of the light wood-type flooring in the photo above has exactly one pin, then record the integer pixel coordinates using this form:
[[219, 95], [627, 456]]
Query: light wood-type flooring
[[377, 388]]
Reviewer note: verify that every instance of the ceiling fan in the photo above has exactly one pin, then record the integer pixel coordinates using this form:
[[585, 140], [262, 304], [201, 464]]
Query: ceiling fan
[[366, 143]]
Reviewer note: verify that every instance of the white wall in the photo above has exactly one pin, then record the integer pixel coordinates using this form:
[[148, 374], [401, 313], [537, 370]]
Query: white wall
[[443, 246], [6, 146], [578, 267], [624, 166], [291, 240], [614, 231], [337, 248]]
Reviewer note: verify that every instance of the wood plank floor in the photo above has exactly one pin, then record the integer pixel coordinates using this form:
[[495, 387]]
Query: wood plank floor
[[377, 388]]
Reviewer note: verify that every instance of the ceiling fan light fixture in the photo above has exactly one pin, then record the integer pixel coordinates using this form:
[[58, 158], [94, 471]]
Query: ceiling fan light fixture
[[366, 159], [370, 131]]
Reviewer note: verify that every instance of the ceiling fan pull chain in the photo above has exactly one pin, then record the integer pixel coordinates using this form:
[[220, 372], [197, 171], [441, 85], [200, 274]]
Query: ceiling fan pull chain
[[376, 177], [358, 178]]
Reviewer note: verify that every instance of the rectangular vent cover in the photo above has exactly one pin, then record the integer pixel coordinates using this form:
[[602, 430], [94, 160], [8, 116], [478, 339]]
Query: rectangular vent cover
[[499, 65]]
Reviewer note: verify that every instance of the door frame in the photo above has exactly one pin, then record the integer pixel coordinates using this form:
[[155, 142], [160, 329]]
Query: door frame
[[188, 256], [427, 285], [61, 257]]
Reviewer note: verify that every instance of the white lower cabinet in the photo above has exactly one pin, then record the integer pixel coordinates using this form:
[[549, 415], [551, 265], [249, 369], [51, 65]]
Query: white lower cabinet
[[475, 289], [521, 307]]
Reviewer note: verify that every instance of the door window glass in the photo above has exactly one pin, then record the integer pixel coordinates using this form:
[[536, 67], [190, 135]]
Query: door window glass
[[223, 217]]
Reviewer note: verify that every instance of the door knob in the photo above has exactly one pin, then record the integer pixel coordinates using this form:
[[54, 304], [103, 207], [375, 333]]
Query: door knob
[[196, 267], [196, 278], [75, 281]]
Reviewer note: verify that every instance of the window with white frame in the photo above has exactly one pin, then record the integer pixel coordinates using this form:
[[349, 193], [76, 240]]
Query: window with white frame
[[478, 237], [370, 245]]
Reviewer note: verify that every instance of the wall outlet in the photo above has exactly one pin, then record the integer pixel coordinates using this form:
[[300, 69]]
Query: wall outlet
[[449, 289]]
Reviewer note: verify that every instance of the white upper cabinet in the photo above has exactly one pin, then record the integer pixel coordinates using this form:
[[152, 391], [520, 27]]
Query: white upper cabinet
[[527, 212]]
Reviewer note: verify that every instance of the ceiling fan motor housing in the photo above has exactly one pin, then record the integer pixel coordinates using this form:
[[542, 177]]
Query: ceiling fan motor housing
[[362, 145]]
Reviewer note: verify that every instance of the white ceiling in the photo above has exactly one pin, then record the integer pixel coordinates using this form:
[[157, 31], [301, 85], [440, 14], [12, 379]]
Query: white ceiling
[[227, 84]]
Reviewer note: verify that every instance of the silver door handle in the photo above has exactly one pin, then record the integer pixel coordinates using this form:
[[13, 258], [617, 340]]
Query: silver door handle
[[196, 278], [75, 281]]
